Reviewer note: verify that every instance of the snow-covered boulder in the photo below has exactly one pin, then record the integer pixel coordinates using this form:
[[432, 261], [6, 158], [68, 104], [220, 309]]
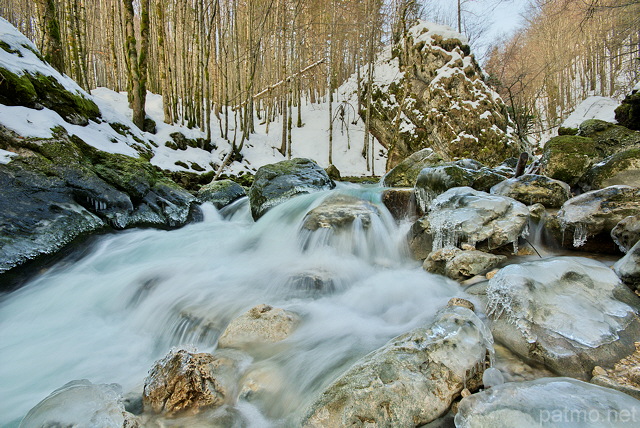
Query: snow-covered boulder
[[628, 267], [533, 189], [567, 313], [221, 193], [585, 222], [184, 383], [81, 404], [262, 324], [410, 381], [467, 218], [278, 182], [434, 95], [548, 402], [626, 233]]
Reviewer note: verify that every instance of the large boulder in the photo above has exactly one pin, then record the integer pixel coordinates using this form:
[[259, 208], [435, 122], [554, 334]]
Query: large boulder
[[405, 173], [464, 217], [433, 94], [548, 402], [567, 158], [262, 324], [609, 138], [221, 193], [620, 168], [433, 181], [628, 267], [533, 189], [281, 181], [61, 188], [585, 222], [410, 381], [184, 383], [626, 233], [567, 313], [81, 404], [628, 113]]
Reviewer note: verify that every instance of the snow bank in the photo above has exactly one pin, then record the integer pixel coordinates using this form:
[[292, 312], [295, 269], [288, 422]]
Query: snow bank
[[592, 108], [425, 31]]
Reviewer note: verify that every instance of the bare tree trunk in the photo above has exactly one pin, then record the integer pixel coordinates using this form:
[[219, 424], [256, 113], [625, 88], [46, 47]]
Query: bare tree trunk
[[53, 52]]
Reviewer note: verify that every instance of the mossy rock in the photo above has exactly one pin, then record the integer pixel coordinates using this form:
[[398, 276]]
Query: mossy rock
[[221, 193], [568, 157], [533, 189], [567, 131], [609, 138], [16, 90], [628, 113], [406, 172], [621, 168]]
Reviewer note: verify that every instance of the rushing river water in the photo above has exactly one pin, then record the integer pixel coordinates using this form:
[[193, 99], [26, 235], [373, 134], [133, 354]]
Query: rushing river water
[[136, 294]]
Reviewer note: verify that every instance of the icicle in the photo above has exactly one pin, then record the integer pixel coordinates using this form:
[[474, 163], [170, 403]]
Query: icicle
[[580, 235]]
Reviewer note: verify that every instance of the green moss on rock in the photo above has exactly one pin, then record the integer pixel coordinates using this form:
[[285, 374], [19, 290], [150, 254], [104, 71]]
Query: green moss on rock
[[567, 158], [621, 168], [16, 90], [628, 113]]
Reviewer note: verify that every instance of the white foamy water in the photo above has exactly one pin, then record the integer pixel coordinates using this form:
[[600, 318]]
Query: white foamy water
[[138, 293]]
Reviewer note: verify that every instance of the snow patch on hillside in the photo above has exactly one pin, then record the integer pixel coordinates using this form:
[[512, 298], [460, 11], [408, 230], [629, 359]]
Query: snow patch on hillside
[[425, 31], [592, 108]]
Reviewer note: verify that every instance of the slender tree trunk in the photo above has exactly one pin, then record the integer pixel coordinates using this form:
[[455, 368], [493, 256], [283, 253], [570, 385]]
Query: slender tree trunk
[[53, 51]]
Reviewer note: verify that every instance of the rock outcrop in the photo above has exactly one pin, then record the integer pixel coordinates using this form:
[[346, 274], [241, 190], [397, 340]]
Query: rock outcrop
[[433, 95], [278, 182], [567, 313], [533, 189], [410, 381]]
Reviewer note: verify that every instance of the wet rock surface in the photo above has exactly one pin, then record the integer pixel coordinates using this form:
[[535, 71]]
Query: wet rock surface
[[221, 193], [620, 168], [460, 264], [626, 233], [567, 313], [262, 324], [278, 182], [628, 267], [60, 189], [410, 381], [340, 211]]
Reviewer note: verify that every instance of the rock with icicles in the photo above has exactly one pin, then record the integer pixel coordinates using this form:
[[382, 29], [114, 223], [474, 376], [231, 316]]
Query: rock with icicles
[[433, 181], [468, 218], [186, 383], [626, 233], [81, 404], [623, 376], [567, 313], [548, 402], [410, 381], [533, 189], [262, 324], [628, 268], [281, 181], [221, 193], [406, 172], [460, 264], [585, 222]]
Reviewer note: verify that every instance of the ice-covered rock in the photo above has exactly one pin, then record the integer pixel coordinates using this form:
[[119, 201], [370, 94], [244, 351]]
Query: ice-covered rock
[[585, 221], [221, 193], [568, 313], [463, 216], [430, 92], [184, 383], [262, 324], [81, 404], [626, 233], [628, 267], [460, 264], [406, 172], [433, 181], [278, 182], [548, 402], [534, 189], [410, 381]]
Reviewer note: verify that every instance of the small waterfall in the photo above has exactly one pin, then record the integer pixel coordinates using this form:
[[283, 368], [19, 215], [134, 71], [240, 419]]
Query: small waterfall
[[138, 293]]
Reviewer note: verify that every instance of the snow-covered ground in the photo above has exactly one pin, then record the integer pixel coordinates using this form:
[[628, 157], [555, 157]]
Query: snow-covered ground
[[592, 108]]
